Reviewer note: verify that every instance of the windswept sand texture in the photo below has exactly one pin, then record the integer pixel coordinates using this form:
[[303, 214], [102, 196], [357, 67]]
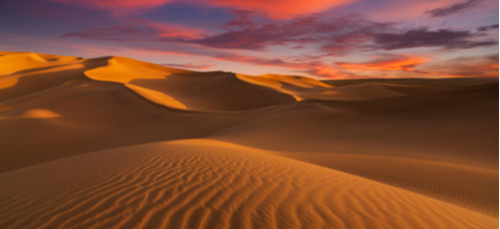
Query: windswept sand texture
[[117, 143]]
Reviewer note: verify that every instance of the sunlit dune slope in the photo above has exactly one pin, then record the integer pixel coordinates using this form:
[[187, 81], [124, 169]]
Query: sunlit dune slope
[[206, 184], [468, 187], [272, 151]]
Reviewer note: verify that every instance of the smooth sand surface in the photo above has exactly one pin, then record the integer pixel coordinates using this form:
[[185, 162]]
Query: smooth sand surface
[[113, 142]]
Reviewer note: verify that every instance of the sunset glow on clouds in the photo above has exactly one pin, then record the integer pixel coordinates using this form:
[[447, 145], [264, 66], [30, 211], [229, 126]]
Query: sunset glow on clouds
[[316, 38], [399, 64]]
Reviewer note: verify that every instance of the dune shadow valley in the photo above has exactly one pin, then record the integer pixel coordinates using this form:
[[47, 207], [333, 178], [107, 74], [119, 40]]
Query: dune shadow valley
[[114, 142]]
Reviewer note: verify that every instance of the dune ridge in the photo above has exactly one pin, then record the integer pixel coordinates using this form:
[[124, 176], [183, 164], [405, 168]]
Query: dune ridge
[[266, 151]]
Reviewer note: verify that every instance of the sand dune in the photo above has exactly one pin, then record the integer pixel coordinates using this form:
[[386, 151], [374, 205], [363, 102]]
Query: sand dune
[[33, 113], [469, 187], [265, 152], [200, 184]]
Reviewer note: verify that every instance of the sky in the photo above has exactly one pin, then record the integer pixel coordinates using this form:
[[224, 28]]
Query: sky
[[322, 39]]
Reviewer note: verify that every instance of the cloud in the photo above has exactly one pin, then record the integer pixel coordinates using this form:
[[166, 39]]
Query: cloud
[[190, 66], [471, 66], [455, 8], [386, 63], [115, 33], [317, 38], [117, 8], [242, 20], [338, 36], [243, 33], [279, 9], [139, 30], [328, 36], [282, 9], [340, 32], [315, 68], [275, 62], [424, 37], [487, 28]]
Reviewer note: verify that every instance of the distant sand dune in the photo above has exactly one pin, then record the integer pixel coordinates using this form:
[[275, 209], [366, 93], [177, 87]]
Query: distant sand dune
[[33, 113], [103, 143]]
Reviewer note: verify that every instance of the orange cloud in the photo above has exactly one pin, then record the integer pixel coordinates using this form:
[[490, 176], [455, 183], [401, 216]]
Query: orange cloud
[[183, 35], [489, 67], [282, 9], [472, 66], [485, 70], [327, 71], [403, 64]]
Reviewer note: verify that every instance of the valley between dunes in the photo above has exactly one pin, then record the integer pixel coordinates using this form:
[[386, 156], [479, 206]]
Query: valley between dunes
[[114, 142]]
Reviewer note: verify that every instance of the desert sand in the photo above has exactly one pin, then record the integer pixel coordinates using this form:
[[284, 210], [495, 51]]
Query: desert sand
[[114, 142]]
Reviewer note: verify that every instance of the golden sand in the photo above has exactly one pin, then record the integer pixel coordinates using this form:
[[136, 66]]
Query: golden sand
[[117, 143]]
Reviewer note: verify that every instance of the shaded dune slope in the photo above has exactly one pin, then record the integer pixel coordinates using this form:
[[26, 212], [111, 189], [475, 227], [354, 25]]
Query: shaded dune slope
[[206, 184]]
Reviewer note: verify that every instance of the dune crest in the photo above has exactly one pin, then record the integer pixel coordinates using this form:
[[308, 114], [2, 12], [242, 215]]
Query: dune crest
[[123, 70], [302, 88], [12, 62], [157, 97]]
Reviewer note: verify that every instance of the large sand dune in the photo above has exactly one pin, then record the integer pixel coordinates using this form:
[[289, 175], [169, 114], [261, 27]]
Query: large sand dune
[[104, 143]]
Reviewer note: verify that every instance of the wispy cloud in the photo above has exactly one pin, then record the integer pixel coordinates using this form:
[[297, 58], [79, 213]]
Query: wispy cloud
[[455, 8], [423, 37], [476, 66], [487, 28], [386, 63], [117, 8], [243, 33], [200, 66], [317, 68]]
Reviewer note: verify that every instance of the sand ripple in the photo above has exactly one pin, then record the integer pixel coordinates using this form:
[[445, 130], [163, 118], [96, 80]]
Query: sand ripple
[[210, 184]]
